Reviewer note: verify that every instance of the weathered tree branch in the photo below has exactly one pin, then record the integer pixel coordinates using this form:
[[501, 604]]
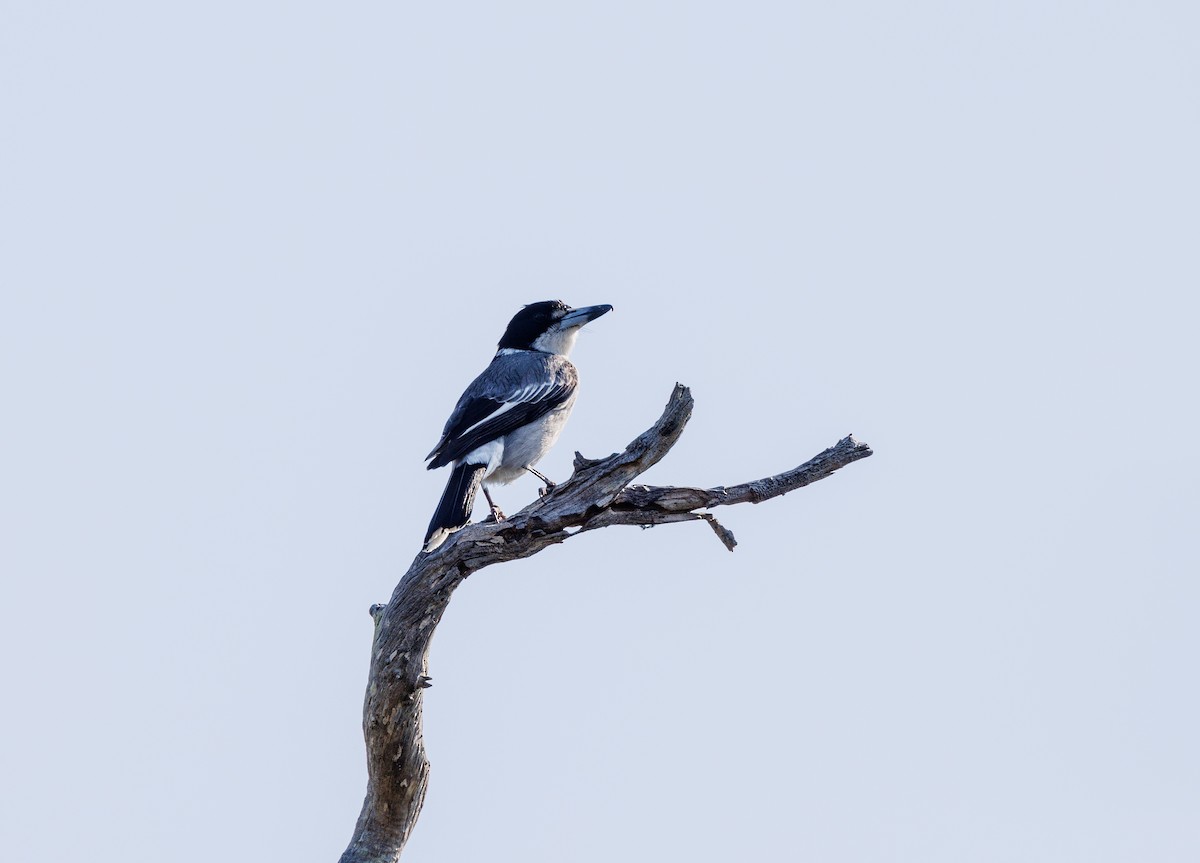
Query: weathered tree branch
[[598, 494]]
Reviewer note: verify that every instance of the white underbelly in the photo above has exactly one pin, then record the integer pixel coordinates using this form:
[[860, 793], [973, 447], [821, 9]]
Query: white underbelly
[[524, 447]]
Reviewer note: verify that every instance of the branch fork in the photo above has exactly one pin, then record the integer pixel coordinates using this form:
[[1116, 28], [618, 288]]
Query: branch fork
[[599, 494]]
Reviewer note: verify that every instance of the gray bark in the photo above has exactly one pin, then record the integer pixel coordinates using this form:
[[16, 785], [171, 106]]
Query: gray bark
[[598, 494]]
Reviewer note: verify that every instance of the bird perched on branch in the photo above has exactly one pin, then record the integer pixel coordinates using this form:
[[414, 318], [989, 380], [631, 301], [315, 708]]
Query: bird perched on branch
[[510, 416]]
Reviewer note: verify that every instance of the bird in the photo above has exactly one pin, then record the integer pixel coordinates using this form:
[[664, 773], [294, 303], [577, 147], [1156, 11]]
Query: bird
[[509, 417]]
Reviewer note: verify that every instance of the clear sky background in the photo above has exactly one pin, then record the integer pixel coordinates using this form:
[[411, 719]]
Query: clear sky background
[[250, 253]]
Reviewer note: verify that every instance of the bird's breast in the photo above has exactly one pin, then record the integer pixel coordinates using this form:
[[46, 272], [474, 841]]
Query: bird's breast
[[525, 446]]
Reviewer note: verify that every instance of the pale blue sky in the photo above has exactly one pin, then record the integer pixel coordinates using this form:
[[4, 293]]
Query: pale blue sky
[[250, 254]]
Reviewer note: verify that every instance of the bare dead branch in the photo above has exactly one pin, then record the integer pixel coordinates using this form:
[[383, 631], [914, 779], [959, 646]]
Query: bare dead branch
[[598, 494]]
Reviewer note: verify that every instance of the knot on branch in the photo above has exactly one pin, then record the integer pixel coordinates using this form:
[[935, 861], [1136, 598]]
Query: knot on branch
[[583, 463]]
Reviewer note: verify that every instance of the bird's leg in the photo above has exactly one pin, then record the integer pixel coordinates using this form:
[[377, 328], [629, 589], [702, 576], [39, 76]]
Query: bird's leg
[[550, 485], [496, 513]]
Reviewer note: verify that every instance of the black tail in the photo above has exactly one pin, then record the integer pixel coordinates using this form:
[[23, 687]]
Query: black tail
[[454, 509]]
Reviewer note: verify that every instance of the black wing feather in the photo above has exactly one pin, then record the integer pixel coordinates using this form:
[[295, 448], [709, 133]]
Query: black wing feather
[[508, 383]]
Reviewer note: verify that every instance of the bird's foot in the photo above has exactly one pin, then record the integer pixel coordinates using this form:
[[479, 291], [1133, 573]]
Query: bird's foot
[[550, 484], [496, 515]]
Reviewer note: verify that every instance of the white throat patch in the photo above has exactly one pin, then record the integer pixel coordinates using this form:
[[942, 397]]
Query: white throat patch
[[557, 341]]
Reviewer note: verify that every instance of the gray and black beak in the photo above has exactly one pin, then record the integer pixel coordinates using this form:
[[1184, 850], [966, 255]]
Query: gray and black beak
[[579, 317]]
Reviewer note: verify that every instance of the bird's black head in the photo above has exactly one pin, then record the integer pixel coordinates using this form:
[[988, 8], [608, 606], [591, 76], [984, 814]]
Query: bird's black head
[[531, 322], [549, 326]]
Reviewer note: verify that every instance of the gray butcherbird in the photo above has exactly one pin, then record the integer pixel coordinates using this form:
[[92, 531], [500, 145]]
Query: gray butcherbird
[[510, 416]]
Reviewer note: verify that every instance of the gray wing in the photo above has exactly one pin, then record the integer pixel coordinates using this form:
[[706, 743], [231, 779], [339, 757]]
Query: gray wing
[[514, 390]]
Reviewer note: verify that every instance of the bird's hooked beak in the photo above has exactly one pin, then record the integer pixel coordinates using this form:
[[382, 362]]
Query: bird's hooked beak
[[579, 317]]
